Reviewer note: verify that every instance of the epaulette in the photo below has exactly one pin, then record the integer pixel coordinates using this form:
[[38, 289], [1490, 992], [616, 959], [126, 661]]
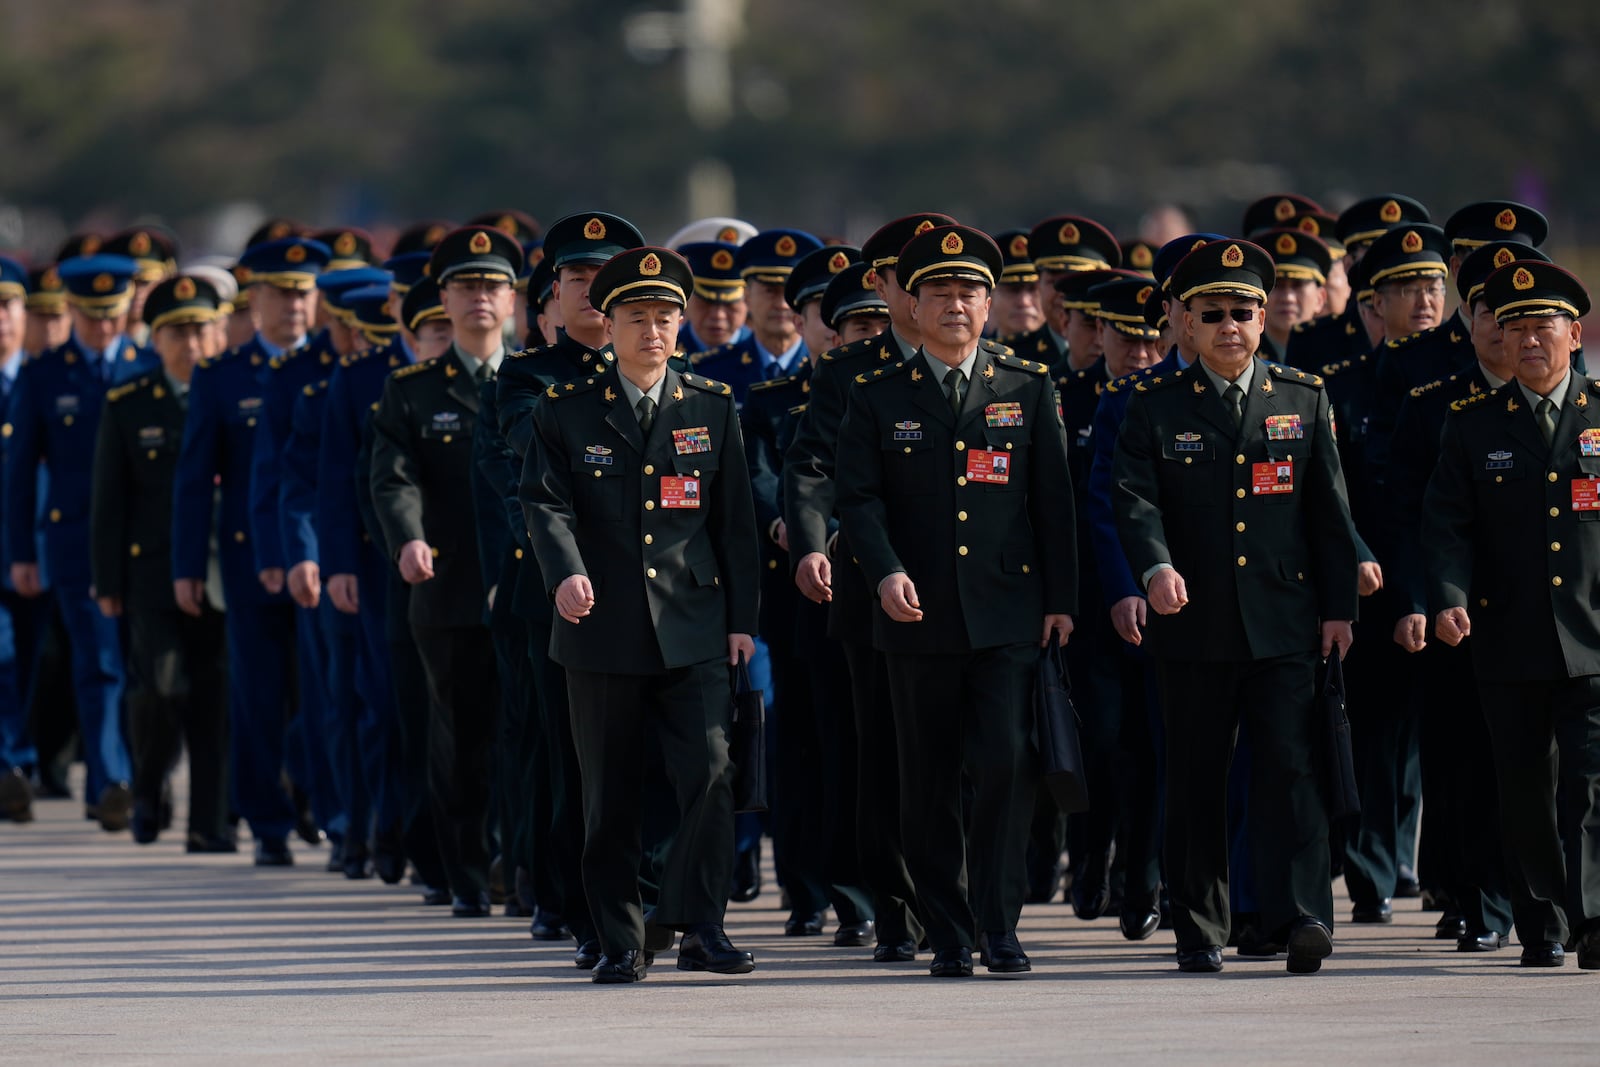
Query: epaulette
[[846, 351], [1476, 398], [1032, 366], [772, 383], [798, 409], [997, 348], [1410, 338], [575, 387], [313, 388], [1436, 383], [1290, 374], [211, 361], [519, 353], [113, 395], [878, 374], [1329, 370], [707, 385], [1129, 379], [416, 368], [357, 357], [696, 358]]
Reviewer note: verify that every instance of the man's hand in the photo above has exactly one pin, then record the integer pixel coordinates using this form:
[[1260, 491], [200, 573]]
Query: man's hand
[[780, 534], [1411, 632], [271, 580], [190, 594], [740, 643], [574, 597], [345, 592], [110, 606], [1337, 633], [813, 576], [1127, 616], [1059, 625], [1369, 578], [305, 583], [899, 598], [25, 579], [416, 562], [1452, 625], [1167, 591]]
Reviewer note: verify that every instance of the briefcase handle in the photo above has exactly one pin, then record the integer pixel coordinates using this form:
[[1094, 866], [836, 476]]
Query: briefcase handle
[[741, 676], [1057, 657]]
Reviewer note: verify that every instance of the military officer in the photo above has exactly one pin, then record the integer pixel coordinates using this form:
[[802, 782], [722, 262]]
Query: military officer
[[775, 347], [816, 542], [654, 577], [55, 411], [717, 312], [1511, 567], [18, 615], [1299, 294], [179, 699], [1016, 293], [154, 251], [1272, 586], [48, 324], [1275, 211], [1139, 255], [957, 501], [1059, 246], [225, 411]]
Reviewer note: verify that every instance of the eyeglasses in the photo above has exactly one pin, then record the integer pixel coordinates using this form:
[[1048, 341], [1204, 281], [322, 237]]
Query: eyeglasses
[[1416, 291], [1216, 315]]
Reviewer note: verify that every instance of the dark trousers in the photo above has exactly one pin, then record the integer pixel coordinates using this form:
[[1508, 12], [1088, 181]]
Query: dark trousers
[[377, 736], [1384, 729], [260, 640], [312, 767], [97, 684], [617, 720], [1547, 758], [342, 715], [411, 724], [519, 753], [966, 716], [879, 842], [463, 703], [181, 701], [1204, 705]]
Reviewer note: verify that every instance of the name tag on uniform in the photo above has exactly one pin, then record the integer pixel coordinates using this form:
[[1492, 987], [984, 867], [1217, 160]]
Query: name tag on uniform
[[446, 421], [599, 454], [1586, 494], [680, 492], [1284, 428], [1589, 442], [988, 465], [1188, 442], [692, 440], [152, 436], [1497, 461], [249, 405], [908, 431], [67, 405], [1006, 414], [1274, 476]]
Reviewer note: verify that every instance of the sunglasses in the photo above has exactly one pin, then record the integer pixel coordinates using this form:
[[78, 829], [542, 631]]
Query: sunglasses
[[1216, 315]]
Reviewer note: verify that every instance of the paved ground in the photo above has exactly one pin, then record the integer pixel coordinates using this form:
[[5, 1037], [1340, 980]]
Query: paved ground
[[114, 953]]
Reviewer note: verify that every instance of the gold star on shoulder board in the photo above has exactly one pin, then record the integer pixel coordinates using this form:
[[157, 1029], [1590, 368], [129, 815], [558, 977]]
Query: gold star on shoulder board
[[677, 394], [569, 387], [1156, 380], [916, 375], [878, 373], [1300, 374], [609, 395]]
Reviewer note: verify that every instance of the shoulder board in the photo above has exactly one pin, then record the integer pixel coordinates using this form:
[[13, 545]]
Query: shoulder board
[[696, 357], [209, 362], [854, 348], [1298, 377], [1128, 379], [519, 353], [1426, 386], [1410, 338], [706, 385], [1476, 398], [113, 395], [878, 374], [1338, 365], [798, 409], [998, 348], [772, 383], [416, 368], [576, 387], [1007, 359]]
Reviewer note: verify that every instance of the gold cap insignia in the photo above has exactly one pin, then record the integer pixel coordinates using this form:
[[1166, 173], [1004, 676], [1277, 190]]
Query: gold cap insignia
[[295, 254], [837, 262], [728, 235], [722, 260], [869, 279], [103, 283], [1233, 256], [1504, 256], [184, 289], [434, 235], [278, 231], [1019, 246], [1411, 243], [1287, 245], [650, 265], [594, 230], [1389, 212], [507, 224], [1283, 210], [1144, 294], [139, 244], [952, 245], [1311, 226], [922, 227], [1522, 281], [1069, 233], [90, 245], [1198, 244], [479, 244], [1141, 257], [1506, 220], [785, 246], [345, 244]]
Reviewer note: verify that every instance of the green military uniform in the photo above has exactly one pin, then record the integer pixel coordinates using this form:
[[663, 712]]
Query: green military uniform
[[1253, 515]]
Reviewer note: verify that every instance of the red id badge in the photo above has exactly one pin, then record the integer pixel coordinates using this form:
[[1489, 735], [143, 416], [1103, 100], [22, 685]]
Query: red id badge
[[1586, 494], [680, 492], [1274, 476], [988, 465]]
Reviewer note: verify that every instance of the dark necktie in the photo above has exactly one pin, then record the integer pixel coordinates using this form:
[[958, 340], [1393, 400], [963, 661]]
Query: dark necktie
[[646, 410], [1545, 416], [1235, 398], [956, 383]]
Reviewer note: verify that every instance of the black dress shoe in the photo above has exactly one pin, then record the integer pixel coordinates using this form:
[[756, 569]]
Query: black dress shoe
[[1309, 943], [516, 909], [1253, 944], [389, 863], [203, 843], [1139, 926], [1204, 960], [747, 875], [273, 852], [1002, 954], [335, 863], [474, 906], [707, 948], [1487, 941], [854, 935], [623, 968], [951, 963], [1406, 886], [1543, 954], [1589, 950], [588, 955], [115, 808], [16, 796], [895, 952], [548, 926], [803, 925], [1450, 927], [146, 823], [1381, 912], [1091, 889], [436, 896], [305, 828], [357, 862]]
